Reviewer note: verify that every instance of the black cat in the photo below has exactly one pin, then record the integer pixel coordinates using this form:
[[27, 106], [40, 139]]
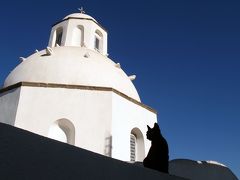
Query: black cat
[[157, 157]]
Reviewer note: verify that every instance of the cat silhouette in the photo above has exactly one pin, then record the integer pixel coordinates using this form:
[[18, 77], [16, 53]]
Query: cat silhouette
[[157, 157]]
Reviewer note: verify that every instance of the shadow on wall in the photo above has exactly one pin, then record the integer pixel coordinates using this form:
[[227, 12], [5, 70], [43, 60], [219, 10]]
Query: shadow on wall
[[157, 157]]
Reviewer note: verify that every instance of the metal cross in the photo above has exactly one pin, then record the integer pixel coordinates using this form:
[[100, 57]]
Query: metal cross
[[81, 10]]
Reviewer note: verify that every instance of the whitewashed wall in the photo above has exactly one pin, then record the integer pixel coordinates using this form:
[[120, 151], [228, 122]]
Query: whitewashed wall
[[127, 115], [89, 112], [8, 106], [89, 28], [95, 115]]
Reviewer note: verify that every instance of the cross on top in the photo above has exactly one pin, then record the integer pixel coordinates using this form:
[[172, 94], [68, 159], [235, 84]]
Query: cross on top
[[81, 10]]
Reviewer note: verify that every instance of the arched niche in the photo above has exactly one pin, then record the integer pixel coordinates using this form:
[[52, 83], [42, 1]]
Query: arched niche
[[62, 130], [98, 41], [78, 36], [137, 145]]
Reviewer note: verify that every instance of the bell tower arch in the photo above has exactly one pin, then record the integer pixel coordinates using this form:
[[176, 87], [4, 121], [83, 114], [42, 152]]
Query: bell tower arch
[[79, 30]]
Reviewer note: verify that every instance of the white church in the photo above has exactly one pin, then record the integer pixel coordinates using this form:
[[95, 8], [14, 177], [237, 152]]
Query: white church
[[73, 92]]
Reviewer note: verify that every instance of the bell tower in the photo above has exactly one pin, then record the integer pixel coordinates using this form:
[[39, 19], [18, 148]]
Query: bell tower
[[79, 30]]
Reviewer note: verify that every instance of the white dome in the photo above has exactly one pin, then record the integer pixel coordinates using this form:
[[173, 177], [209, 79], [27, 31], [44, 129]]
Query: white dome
[[80, 15], [75, 66]]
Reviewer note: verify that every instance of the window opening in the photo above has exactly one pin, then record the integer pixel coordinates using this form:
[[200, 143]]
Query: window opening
[[97, 42], [132, 147], [59, 37]]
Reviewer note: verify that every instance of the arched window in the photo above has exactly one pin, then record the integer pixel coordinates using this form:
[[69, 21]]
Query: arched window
[[78, 36], [58, 36], [62, 130], [137, 148], [98, 41]]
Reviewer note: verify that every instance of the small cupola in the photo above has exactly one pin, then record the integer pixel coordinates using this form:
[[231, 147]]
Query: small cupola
[[79, 30]]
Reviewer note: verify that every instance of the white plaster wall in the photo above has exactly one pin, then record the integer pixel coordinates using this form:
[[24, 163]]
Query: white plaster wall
[[96, 115], [89, 111], [8, 106], [89, 33], [78, 36], [127, 115]]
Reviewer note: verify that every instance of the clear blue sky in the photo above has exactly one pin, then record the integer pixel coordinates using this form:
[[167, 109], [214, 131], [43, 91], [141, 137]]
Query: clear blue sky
[[186, 55]]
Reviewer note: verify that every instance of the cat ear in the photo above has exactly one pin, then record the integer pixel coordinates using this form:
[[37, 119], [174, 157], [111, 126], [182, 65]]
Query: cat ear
[[148, 127], [156, 125]]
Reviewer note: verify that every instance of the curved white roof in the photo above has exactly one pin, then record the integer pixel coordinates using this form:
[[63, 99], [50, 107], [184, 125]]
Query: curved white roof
[[80, 15], [75, 66], [199, 170]]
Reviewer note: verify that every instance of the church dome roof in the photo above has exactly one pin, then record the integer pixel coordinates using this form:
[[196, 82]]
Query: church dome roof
[[75, 66], [80, 15]]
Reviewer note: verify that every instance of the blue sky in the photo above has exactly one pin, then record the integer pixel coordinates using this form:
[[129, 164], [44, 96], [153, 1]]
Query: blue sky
[[186, 55]]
